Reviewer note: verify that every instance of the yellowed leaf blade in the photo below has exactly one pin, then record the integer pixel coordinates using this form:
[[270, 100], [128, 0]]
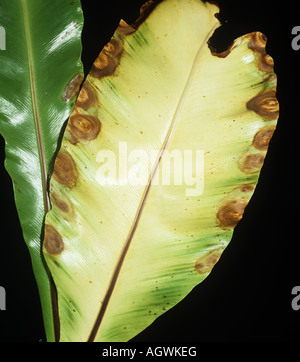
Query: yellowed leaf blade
[[129, 235]]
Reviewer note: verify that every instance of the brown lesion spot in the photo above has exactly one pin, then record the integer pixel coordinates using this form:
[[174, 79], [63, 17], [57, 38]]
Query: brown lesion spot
[[62, 205], [108, 59], [206, 263], [258, 43], [262, 138], [87, 97], [232, 212], [124, 28], [246, 188], [265, 104], [72, 88], [83, 127], [53, 242], [65, 171], [252, 162]]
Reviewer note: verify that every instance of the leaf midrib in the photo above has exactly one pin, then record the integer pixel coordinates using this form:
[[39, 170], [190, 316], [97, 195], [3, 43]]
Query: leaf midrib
[[41, 152], [36, 116], [140, 208]]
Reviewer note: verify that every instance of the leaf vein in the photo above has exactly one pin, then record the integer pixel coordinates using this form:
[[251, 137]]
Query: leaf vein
[[140, 208]]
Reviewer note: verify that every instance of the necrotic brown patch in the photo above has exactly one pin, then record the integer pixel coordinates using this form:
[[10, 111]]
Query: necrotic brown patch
[[265, 104], [258, 43], [246, 188], [53, 242], [65, 169], [83, 127], [252, 163], [72, 88], [145, 10], [207, 262], [62, 205], [262, 138], [124, 28], [266, 63], [232, 212], [226, 52], [108, 59], [87, 97]]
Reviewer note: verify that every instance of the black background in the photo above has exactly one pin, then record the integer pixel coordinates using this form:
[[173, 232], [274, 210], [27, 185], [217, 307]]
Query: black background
[[247, 296]]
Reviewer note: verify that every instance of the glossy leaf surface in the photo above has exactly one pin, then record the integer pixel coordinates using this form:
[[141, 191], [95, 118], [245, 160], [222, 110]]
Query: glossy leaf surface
[[42, 55], [130, 233]]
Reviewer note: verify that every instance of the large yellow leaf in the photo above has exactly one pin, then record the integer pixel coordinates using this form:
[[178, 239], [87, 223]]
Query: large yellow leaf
[[158, 162]]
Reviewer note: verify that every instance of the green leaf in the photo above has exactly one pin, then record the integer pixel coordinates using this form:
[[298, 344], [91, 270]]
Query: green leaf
[[42, 56], [130, 233]]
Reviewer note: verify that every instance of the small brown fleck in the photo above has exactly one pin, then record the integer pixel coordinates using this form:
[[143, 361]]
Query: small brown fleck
[[83, 127], [53, 242], [232, 212], [72, 88], [265, 104], [252, 163], [262, 138], [65, 171], [207, 262]]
